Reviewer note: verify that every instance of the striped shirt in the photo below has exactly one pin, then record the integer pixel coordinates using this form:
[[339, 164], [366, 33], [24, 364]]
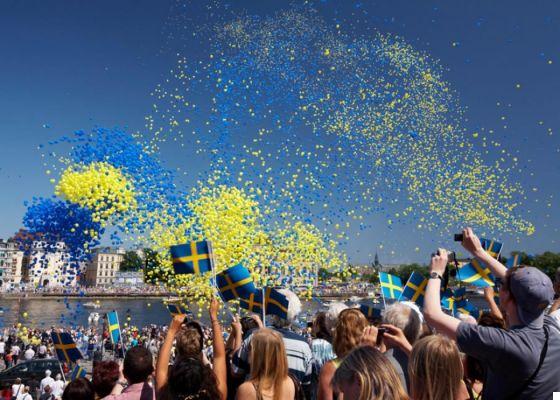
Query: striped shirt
[[297, 350]]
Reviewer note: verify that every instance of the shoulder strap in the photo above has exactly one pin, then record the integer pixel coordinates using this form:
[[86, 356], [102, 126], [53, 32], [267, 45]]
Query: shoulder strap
[[532, 377]]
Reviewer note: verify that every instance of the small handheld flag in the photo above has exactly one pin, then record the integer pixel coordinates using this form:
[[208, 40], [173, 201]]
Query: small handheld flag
[[77, 372], [370, 311], [475, 273], [415, 288], [513, 261], [235, 282], [492, 247], [467, 308], [177, 309], [66, 349], [276, 303], [391, 286], [191, 258], [114, 326], [253, 303], [448, 300]]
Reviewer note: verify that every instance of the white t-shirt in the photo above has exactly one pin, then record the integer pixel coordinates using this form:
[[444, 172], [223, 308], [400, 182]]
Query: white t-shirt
[[57, 388], [17, 390], [16, 350], [48, 381], [2, 347], [29, 353]]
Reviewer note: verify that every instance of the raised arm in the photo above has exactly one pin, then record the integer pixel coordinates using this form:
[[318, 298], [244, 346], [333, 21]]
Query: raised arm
[[489, 297], [472, 244], [219, 361], [162, 365], [435, 317]]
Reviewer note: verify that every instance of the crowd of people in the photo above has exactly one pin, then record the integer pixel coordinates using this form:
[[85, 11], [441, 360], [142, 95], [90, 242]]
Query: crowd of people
[[511, 352]]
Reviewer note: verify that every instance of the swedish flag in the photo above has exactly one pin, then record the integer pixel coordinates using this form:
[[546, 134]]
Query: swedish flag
[[391, 286], [276, 303], [253, 303], [460, 294], [467, 308], [191, 258], [415, 288], [66, 349], [492, 247], [475, 273], [448, 300], [370, 311], [77, 372], [114, 326], [235, 282], [513, 261], [177, 309]]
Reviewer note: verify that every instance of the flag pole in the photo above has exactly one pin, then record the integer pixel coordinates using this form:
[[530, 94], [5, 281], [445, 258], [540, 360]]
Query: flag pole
[[263, 307], [120, 333]]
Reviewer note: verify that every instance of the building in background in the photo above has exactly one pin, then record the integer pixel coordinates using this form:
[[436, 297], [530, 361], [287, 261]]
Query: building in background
[[129, 279], [11, 261], [103, 267], [49, 265]]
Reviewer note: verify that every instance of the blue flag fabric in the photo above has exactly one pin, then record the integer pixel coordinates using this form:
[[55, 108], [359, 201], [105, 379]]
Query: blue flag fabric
[[66, 349], [276, 303], [492, 247], [191, 258], [465, 307], [77, 372], [391, 286], [370, 311], [513, 261], [114, 326], [415, 288], [235, 282], [475, 273], [252, 303], [448, 300], [177, 309], [460, 294]]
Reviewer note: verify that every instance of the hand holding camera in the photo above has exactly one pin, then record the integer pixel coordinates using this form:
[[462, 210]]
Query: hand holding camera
[[439, 261], [470, 242]]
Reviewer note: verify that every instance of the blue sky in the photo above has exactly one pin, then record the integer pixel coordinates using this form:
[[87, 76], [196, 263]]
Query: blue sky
[[75, 64]]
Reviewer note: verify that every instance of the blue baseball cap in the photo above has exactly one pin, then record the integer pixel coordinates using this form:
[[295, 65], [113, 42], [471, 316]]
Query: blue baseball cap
[[533, 292]]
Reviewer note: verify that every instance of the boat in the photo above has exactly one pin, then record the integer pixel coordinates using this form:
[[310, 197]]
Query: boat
[[91, 304]]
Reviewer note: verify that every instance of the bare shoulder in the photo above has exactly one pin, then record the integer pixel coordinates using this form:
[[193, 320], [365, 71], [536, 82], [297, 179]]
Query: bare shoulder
[[289, 387], [246, 391]]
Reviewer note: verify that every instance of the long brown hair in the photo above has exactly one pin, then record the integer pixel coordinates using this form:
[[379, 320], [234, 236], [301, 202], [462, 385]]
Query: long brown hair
[[348, 332], [435, 369], [269, 363], [378, 378]]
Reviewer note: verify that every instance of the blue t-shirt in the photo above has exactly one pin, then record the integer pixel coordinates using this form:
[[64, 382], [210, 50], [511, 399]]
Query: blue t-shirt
[[512, 356]]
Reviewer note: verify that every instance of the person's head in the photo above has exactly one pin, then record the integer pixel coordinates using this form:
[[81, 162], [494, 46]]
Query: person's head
[[248, 323], [58, 377], [319, 327], [557, 282], [18, 381], [189, 340], [366, 374], [47, 389], [435, 369], [332, 313], [525, 293], [294, 308], [489, 319], [25, 389], [268, 360], [105, 376], [348, 331], [138, 365], [190, 377], [404, 318], [79, 389], [47, 373]]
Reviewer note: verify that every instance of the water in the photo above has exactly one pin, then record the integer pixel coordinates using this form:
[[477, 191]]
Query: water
[[46, 312]]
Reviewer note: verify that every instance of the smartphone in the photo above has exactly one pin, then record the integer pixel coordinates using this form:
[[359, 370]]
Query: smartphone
[[380, 333]]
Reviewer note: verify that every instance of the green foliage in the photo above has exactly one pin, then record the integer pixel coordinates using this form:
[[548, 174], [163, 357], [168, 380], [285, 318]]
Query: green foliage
[[131, 262], [406, 270]]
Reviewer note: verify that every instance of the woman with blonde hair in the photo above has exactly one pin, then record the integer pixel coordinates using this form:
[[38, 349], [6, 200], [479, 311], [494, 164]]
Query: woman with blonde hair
[[436, 370], [269, 377], [347, 336], [366, 374]]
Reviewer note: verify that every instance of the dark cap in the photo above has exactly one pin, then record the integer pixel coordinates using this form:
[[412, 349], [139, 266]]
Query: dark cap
[[533, 292]]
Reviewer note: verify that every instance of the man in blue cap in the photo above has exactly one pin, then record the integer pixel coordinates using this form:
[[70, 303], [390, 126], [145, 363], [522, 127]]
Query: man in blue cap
[[522, 362]]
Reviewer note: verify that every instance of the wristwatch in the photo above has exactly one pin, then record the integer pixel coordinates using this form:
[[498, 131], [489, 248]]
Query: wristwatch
[[435, 275]]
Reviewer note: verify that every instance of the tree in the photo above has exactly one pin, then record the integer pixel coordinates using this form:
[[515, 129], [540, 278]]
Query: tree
[[131, 262], [406, 270]]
